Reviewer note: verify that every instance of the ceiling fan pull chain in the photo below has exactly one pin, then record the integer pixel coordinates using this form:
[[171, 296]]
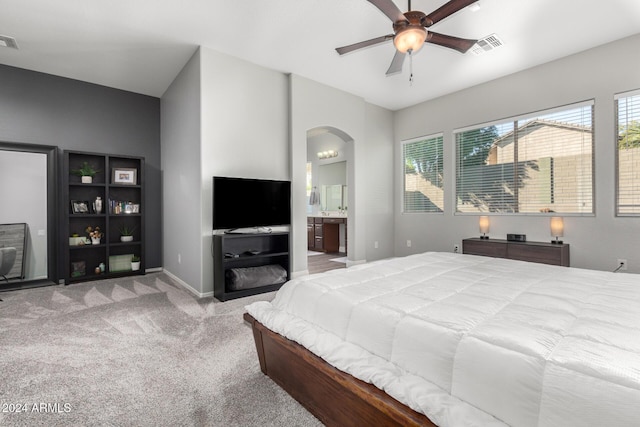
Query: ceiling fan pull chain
[[410, 68]]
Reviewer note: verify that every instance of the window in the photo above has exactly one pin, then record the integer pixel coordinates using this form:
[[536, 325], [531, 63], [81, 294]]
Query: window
[[423, 185], [628, 153], [535, 164]]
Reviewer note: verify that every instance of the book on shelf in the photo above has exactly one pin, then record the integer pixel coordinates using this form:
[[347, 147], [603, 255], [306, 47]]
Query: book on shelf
[[118, 207]]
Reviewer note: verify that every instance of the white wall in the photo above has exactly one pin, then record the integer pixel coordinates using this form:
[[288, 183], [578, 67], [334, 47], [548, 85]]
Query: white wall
[[315, 105], [596, 241], [224, 116], [221, 116], [378, 188], [180, 153], [245, 116]]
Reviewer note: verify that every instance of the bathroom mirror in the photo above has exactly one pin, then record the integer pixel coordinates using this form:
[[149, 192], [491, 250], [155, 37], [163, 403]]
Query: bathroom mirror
[[333, 197], [333, 183]]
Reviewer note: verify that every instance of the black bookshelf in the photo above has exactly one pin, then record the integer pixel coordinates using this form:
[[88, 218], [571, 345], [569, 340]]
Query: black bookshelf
[[119, 185]]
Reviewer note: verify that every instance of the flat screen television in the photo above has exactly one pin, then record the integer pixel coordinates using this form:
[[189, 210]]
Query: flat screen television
[[246, 202]]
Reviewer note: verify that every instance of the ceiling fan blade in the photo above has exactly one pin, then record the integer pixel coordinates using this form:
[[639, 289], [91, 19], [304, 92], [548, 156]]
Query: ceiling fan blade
[[389, 8], [445, 10], [396, 63], [346, 49], [457, 43]]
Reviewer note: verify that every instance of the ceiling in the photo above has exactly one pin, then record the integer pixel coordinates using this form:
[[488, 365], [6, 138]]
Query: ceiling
[[141, 45]]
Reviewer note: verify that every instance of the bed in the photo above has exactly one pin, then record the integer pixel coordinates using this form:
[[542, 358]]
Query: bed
[[456, 340]]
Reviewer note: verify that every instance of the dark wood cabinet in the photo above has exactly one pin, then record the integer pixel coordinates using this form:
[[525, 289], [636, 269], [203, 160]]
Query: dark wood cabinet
[[113, 201], [235, 251], [541, 252], [323, 233], [318, 235], [310, 234]]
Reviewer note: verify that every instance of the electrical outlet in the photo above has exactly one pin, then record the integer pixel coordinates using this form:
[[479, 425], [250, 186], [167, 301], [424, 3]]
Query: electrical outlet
[[375, 245], [408, 243], [179, 259], [622, 264], [456, 249]]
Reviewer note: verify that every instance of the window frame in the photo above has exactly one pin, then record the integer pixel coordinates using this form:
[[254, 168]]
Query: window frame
[[616, 132], [403, 144], [516, 119]]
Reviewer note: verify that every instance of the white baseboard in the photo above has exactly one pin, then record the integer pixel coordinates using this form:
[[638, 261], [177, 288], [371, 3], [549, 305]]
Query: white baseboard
[[153, 270], [186, 285], [295, 274], [352, 263]]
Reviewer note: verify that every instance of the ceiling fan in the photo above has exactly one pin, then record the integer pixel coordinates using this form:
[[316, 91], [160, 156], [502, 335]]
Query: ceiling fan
[[409, 31]]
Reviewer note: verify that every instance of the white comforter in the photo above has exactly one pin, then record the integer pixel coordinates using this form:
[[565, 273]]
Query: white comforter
[[470, 340]]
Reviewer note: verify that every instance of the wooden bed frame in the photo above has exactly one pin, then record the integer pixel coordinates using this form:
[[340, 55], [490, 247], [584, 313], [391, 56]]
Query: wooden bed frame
[[334, 397]]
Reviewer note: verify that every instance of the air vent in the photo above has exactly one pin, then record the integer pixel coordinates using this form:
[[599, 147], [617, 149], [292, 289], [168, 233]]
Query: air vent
[[486, 44], [6, 41]]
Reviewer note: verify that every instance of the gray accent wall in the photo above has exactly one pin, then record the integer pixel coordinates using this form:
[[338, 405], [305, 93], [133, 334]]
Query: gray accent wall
[[44, 109]]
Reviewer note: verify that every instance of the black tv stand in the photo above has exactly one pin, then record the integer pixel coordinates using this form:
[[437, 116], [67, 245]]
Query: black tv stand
[[249, 250], [258, 230]]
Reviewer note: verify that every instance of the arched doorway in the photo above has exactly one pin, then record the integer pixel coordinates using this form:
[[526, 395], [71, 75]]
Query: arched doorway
[[329, 152]]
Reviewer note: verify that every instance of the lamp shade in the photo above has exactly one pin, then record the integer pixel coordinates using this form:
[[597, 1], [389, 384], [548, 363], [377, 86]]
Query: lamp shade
[[557, 226], [484, 224], [410, 38]]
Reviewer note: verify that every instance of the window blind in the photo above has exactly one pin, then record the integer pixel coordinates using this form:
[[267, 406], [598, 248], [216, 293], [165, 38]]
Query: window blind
[[423, 181], [538, 163], [628, 153]]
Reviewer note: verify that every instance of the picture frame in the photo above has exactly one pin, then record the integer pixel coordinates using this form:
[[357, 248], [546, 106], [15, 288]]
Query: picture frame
[[80, 207], [78, 269], [124, 176]]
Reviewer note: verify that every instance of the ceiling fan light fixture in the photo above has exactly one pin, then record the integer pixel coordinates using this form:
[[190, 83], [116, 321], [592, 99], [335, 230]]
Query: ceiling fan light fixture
[[411, 38]]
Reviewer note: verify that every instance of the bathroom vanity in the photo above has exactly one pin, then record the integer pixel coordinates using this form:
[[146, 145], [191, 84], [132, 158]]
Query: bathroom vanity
[[324, 233]]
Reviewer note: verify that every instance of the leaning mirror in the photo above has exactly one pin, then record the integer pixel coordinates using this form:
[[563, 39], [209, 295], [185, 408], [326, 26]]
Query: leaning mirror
[[27, 217]]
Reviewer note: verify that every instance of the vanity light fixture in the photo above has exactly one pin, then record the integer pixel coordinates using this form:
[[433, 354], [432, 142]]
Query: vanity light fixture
[[327, 154], [484, 226]]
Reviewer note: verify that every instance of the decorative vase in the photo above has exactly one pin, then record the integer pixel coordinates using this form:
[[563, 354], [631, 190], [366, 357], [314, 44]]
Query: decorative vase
[[86, 179], [97, 205], [95, 241], [126, 238], [135, 266]]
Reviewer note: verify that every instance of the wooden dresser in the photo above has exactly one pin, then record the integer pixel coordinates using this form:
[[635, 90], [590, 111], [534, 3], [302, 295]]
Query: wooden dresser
[[545, 253]]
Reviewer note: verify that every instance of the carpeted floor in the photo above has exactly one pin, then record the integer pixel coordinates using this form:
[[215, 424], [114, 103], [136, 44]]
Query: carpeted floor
[[137, 351]]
